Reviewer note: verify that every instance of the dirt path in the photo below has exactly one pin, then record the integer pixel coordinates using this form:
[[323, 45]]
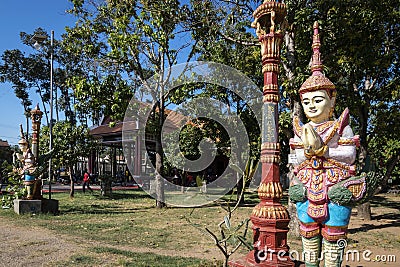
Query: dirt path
[[42, 247], [34, 247]]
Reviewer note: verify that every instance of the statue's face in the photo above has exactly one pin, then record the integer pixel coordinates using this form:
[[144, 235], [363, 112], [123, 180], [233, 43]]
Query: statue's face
[[317, 105], [23, 147]]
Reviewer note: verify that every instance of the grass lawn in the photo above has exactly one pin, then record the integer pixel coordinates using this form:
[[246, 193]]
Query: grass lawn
[[127, 230], [128, 224]]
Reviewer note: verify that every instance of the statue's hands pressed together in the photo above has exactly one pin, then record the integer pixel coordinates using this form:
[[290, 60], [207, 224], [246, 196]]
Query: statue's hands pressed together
[[18, 156], [313, 144]]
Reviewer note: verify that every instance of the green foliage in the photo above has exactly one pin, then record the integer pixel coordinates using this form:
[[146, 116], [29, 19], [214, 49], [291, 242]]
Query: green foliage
[[128, 41], [31, 74], [69, 143], [6, 154], [15, 188], [384, 141]]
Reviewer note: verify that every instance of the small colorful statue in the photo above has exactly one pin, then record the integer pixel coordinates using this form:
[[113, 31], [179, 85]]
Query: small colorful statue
[[28, 168], [325, 183]]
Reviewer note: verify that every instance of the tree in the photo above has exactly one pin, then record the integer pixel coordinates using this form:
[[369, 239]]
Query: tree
[[70, 142], [384, 143], [126, 42]]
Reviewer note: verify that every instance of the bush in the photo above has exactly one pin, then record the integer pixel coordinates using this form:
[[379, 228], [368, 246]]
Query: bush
[[15, 190]]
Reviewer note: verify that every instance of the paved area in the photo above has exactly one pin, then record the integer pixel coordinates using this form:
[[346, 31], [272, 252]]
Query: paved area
[[55, 188], [58, 187]]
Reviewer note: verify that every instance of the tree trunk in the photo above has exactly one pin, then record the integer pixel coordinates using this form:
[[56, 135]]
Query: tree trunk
[[392, 163], [364, 211], [160, 197], [290, 67], [106, 186], [72, 187], [160, 192], [240, 176]]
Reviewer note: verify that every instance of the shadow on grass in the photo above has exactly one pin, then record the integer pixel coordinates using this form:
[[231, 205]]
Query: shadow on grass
[[384, 202], [251, 199], [366, 227], [97, 204], [118, 195], [102, 209], [151, 259]]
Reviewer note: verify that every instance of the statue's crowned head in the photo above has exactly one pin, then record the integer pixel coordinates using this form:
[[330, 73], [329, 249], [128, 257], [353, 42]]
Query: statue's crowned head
[[317, 93], [23, 143]]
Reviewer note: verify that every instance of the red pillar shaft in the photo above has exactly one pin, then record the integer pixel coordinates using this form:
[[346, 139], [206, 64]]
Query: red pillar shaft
[[269, 218]]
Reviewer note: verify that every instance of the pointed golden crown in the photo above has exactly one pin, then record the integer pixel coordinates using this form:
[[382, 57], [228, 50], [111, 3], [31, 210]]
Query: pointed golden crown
[[22, 140], [317, 80]]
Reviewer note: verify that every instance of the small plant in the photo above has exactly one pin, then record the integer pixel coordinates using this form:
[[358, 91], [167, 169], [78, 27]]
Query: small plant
[[230, 238], [15, 190]]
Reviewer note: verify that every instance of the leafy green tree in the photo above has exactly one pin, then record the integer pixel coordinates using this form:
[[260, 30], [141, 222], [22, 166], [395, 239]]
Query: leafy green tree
[[385, 148], [70, 142], [6, 154], [15, 187], [122, 43]]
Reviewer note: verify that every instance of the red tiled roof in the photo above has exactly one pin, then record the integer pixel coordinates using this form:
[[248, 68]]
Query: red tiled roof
[[4, 144], [175, 119], [107, 130]]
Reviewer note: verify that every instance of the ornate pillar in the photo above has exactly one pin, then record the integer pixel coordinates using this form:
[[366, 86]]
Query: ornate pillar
[[36, 116], [270, 219]]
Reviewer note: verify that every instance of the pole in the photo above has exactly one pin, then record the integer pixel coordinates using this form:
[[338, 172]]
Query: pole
[[51, 109], [269, 218]]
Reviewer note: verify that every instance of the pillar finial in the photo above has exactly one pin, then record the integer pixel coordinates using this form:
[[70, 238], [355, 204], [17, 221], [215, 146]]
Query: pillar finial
[[316, 66]]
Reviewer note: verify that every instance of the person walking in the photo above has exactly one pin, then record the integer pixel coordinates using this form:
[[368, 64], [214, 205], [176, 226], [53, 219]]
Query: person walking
[[86, 182]]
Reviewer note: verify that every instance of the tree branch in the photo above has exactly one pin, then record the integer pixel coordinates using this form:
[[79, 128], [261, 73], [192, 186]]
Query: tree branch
[[216, 242], [245, 43]]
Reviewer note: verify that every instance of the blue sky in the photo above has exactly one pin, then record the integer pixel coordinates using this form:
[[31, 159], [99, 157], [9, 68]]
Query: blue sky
[[25, 16]]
